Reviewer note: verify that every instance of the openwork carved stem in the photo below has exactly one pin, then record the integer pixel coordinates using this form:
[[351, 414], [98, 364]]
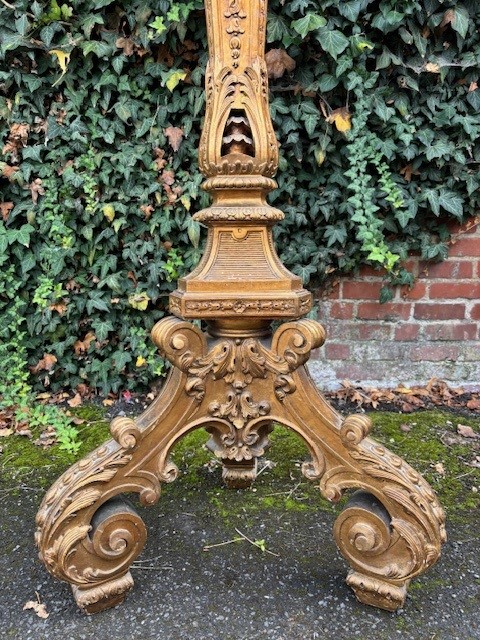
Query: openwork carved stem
[[236, 380]]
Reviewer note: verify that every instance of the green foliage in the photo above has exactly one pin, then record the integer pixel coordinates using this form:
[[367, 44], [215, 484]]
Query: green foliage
[[96, 201], [15, 391]]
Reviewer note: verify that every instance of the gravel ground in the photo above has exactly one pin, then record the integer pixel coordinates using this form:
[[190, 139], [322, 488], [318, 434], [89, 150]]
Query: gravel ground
[[235, 592]]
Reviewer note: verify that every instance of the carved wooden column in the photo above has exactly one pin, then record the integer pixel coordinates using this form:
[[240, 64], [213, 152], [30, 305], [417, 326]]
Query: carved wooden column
[[237, 380]]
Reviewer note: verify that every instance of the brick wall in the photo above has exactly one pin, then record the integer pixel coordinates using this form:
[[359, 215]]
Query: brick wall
[[431, 330]]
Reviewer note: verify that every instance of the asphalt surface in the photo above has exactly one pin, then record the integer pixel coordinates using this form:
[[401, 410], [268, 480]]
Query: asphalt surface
[[234, 592]]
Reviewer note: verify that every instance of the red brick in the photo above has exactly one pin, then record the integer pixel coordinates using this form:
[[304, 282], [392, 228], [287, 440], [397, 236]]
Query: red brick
[[343, 330], [471, 226], [475, 312], [370, 331], [407, 332], [434, 353], [362, 290], [342, 310], [451, 331], [390, 311], [417, 292], [424, 311], [449, 269], [337, 351], [331, 292], [368, 272], [450, 290], [466, 247]]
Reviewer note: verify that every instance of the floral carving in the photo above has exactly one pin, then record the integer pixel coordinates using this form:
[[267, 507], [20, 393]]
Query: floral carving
[[234, 16]]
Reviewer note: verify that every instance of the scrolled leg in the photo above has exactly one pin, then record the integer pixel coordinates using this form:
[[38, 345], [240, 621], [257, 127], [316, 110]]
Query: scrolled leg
[[117, 537], [393, 528]]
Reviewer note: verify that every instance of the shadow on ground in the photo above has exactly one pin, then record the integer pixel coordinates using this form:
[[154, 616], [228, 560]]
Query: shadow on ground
[[235, 591]]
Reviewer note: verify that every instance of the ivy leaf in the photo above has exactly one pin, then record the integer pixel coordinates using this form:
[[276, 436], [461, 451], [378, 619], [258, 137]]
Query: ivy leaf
[[123, 111], [174, 78], [139, 300], [458, 18], [175, 137], [309, 22], [351, 9], [22, 24], [451, 202], [159, 25], [332, 41], [439, 148], [276, 28], [341, 118], [63, 58]]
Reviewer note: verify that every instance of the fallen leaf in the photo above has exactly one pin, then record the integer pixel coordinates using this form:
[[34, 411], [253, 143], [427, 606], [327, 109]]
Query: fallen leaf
[[38, 607], [168, 177], [108, 402], [466, 431], [45, 364], [473, 87], [5, 432], [473, 404], [47, 438], [9, 171], [175, 137], [405, 428], [278, 61], [341, 118], [75, 401], [439, 468], [159, 161]]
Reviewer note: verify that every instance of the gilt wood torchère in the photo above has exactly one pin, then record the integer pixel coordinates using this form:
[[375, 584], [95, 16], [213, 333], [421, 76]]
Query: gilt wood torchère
[[236, 380]]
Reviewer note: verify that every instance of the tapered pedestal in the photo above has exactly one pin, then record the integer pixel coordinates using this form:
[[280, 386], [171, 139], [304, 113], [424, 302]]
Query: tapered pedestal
[[237, 381]]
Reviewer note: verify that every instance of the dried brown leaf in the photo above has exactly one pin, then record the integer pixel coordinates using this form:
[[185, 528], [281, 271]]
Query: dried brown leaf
[[126, 44], [466, 431], [439, 468], [38, 607], [278, 61], [81, 346], [175, 137], [45, 364], [75, 401]]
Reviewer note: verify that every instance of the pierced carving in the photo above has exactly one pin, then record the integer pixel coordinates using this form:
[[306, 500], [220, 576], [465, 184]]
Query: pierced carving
[[237, 385]]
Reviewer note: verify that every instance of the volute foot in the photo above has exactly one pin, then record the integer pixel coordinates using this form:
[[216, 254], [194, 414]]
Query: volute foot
[[377, 593], [102, 597]]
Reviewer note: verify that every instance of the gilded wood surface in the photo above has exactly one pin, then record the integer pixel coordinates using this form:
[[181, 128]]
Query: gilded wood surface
[[239, 381]]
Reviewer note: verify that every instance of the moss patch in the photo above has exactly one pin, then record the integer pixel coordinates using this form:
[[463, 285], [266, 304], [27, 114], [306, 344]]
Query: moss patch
[[424, 446], [280, 484]]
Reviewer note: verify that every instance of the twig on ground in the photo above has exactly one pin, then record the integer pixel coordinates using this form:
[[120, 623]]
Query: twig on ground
[[256, 543]]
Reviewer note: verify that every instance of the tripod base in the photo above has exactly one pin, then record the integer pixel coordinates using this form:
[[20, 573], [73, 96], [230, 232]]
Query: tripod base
[[237, 388]]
